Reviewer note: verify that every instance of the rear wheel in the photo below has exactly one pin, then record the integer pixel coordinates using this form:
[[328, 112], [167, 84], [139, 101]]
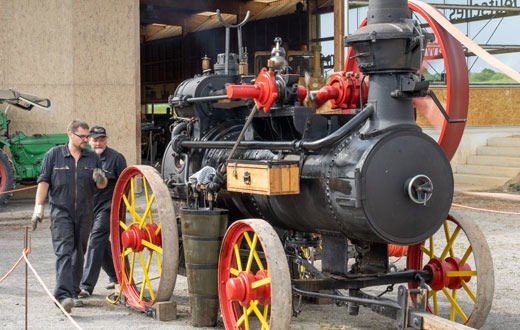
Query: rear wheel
[[7, 178]]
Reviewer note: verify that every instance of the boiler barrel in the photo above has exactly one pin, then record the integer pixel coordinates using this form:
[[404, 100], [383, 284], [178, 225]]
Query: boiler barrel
[[394, 188]]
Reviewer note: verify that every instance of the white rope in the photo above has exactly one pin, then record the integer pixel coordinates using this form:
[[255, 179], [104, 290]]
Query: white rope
[[49, 293], [484, 210]]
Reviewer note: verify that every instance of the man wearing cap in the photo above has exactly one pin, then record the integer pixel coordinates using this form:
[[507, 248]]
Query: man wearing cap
[[99, 254], [70, 174]]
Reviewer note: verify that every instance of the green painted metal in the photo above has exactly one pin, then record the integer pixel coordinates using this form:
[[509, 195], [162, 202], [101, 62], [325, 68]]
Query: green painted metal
[[27, 152], [22, 164]]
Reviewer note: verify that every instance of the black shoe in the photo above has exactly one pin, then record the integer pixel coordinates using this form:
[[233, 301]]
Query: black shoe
[[83, 294], [67, 304], [77, 302]]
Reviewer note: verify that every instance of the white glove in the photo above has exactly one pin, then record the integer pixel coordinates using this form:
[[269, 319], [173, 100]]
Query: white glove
[[37, 216], [99, 176]]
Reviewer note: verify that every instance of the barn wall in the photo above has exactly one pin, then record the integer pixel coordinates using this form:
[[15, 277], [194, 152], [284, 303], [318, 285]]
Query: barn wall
[[84, 56]]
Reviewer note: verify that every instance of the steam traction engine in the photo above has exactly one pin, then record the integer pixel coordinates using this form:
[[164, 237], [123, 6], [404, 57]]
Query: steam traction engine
[[344, 172]]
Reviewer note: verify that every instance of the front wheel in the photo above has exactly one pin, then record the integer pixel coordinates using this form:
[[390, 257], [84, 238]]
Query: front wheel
[[7, 178], [254, 286], [459, 259]]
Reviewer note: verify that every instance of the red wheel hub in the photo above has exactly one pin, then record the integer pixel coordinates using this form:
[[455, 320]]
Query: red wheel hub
[[440, 269], [133, 237], [240, 288]]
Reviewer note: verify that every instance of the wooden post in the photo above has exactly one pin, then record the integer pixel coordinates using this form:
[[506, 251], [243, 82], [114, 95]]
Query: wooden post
[[339, 34]]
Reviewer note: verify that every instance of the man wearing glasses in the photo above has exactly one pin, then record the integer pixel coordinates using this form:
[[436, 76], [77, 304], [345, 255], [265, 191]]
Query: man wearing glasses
[[69, 175], [99, 254]]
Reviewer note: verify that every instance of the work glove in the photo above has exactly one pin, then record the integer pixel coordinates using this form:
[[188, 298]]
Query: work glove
[[37, 216], [99, 176]]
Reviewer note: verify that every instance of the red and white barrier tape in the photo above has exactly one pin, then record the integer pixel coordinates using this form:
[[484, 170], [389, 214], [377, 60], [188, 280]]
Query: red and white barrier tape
[[15, 190]]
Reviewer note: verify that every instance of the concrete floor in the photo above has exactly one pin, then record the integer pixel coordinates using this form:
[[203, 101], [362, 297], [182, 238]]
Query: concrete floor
[[501, 230]]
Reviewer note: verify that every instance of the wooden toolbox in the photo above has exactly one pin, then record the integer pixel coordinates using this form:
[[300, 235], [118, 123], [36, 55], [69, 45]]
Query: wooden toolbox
[[263, 177]]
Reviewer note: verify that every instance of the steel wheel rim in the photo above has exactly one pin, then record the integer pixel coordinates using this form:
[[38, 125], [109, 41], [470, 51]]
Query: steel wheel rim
[[144, 238], [272, 286], [467, 245], [457, 83]]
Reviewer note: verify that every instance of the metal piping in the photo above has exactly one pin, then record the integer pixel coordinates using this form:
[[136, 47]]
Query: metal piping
[[342, 132], [285, 145]]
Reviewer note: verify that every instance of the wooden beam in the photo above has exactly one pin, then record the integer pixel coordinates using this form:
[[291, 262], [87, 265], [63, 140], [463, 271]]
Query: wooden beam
[[339, 33], [192, 6], [433, 322]]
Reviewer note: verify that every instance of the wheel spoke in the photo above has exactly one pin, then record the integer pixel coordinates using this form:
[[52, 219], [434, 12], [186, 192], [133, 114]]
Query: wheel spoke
[[151, 246], [127, 252], [259, 314], [454, 305], [252, 250], [254, 253], [237, 256], [450, 240], [123, 225], [469, 292], [466, 255], [259, 283], [147, 213], [264, 315]]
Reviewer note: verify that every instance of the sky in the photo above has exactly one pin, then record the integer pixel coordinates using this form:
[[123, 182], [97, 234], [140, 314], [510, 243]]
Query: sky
[[494, 31]]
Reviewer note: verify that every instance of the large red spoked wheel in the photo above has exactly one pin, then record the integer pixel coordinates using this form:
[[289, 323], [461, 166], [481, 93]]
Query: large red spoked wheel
[[451, 56], [463, 280], [254, 284], [143, 231]]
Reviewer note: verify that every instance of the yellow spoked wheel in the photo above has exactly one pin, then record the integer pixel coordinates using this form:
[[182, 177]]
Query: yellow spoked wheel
[[254, 285], [144, 238], [459, 259]]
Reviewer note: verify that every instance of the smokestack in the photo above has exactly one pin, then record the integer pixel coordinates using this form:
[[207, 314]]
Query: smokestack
[[387, 11]]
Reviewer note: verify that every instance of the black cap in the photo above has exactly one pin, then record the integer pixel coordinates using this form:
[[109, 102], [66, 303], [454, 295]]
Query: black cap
[[97, 131]]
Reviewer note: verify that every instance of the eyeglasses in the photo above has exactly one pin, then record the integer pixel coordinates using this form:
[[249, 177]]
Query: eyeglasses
[[83, 137]]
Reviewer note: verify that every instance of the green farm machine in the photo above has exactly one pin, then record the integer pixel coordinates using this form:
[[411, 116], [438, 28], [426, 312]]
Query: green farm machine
[[21, 155]]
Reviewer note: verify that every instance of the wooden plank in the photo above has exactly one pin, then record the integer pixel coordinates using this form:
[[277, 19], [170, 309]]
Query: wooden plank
[[434, 322]]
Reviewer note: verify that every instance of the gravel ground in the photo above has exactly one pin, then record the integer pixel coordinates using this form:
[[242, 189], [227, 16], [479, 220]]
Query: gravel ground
[[502, 232]]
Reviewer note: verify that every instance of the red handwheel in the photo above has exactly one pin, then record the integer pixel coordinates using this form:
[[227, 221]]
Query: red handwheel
[[144, 237]]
